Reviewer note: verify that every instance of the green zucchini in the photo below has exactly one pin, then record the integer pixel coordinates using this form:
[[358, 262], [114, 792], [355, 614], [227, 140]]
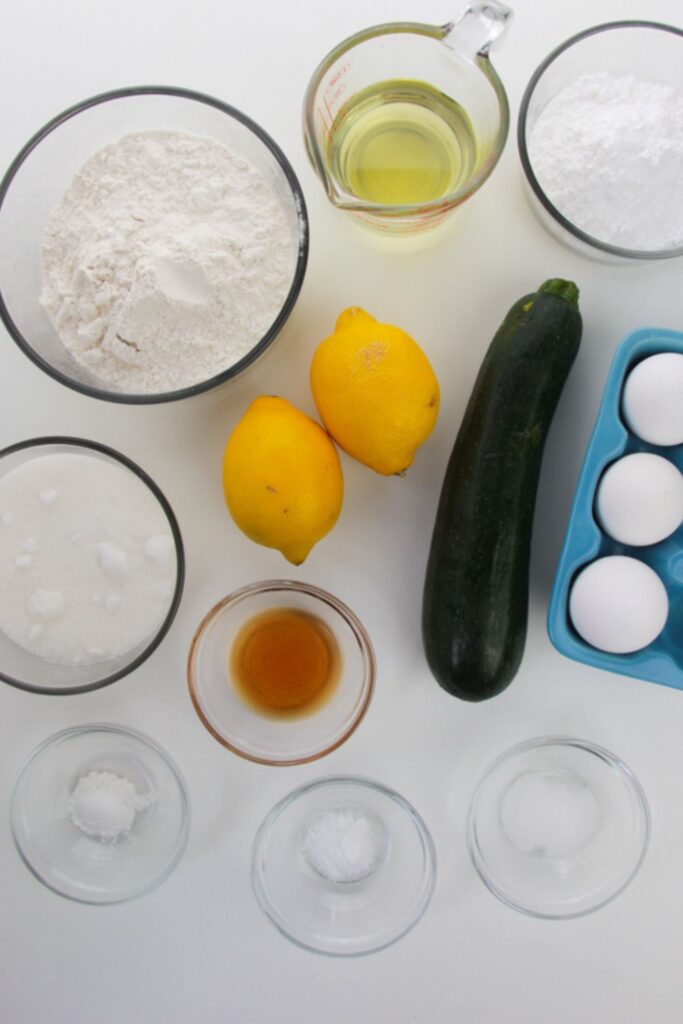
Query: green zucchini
[[476, 593]]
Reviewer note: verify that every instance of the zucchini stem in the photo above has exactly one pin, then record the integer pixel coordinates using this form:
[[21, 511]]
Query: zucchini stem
[[566, 290]]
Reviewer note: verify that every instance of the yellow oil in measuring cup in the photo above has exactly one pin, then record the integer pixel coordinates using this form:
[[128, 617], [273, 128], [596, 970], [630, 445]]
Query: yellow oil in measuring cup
[[403, 122], [401, 142]]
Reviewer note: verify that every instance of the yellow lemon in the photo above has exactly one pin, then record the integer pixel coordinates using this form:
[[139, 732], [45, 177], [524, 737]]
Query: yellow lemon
[[375, 391], [282, 478]]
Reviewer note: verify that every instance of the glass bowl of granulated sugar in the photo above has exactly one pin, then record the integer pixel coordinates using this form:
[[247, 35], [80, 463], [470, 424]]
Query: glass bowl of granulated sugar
[[153, 242], [600, 135], [91, 565]]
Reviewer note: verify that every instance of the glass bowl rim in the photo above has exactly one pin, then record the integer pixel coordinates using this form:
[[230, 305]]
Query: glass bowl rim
[[121, 730], [352, 621], [613, 762], [79, 442], [582, 236], [153, 398], [282, 805]]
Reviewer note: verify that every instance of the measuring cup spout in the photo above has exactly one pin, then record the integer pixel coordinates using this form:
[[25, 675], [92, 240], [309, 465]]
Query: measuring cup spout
[[479, 28]]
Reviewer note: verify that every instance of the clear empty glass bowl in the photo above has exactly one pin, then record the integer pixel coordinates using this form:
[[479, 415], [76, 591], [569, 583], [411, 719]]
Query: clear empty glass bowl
[[647, 50], [43, 169], [352, 897], [28, 671], [278, 741], [558, 827], [59, 834]]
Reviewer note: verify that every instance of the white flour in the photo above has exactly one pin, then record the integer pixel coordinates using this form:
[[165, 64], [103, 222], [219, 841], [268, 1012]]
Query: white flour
[[608, 153], [87, 561], [165, 261]]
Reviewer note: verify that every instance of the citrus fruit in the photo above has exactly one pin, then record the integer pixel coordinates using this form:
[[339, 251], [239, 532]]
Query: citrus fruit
[[282, 478]]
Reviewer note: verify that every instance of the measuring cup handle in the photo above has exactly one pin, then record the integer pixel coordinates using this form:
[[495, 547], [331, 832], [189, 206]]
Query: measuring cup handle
[[479, 28]]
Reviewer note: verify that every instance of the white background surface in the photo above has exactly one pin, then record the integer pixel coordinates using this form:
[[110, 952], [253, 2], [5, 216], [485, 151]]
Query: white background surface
[[198, 948]]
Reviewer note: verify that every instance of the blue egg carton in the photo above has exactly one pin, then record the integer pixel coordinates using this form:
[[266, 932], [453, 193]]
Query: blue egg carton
[[662, 660]]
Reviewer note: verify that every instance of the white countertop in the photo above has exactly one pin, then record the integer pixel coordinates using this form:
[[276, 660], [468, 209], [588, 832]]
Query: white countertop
[[198, 948]]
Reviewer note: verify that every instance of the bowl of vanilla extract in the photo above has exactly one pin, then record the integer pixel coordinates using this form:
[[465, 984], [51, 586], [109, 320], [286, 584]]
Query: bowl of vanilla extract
[[281, 672]]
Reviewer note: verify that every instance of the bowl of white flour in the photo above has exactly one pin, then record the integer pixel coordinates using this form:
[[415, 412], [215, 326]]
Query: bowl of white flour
[[91, 565], [153, 242], [600, 135]]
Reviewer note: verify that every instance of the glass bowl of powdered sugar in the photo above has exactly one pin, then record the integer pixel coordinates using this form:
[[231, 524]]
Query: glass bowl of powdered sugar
[[153, 242], [91, 565], [600, 136], [100, 813]]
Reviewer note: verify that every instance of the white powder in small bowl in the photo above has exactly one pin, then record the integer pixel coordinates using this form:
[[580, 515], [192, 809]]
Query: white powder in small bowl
[[549, 814], [344, 845], [104, 805]]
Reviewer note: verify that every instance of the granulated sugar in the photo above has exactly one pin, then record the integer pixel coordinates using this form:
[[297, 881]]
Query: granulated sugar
[[167, 259], [608, 153], [87, 560]]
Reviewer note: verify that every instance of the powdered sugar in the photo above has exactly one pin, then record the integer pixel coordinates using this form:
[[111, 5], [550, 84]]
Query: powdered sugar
[[608, 153], [167, 259]]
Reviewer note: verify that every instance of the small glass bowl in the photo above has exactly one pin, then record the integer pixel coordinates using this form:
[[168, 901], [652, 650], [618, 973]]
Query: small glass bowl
[[74, 863], [558, 827], [348, 918], [28, 671], [269, 740], [40, 173], [647, 49]]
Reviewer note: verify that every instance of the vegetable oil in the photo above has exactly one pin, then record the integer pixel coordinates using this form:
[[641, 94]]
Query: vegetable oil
[[401, 143]]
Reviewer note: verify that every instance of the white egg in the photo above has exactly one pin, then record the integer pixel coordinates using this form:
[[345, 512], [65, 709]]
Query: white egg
[[618, 604], [652, 401], [639, 499]]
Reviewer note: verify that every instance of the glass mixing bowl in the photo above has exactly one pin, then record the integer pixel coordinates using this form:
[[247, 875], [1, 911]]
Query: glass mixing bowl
[[277, 741], [645, 49], [356, 916], [78, 864], [28, 671], [40, 173], [558, 827]]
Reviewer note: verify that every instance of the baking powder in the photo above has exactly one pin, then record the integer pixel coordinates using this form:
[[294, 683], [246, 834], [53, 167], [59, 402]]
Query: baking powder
[[167, 259], [105, 805]]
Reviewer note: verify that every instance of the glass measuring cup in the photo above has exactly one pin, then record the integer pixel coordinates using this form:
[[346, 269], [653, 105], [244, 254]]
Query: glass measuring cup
[[447, 62]]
